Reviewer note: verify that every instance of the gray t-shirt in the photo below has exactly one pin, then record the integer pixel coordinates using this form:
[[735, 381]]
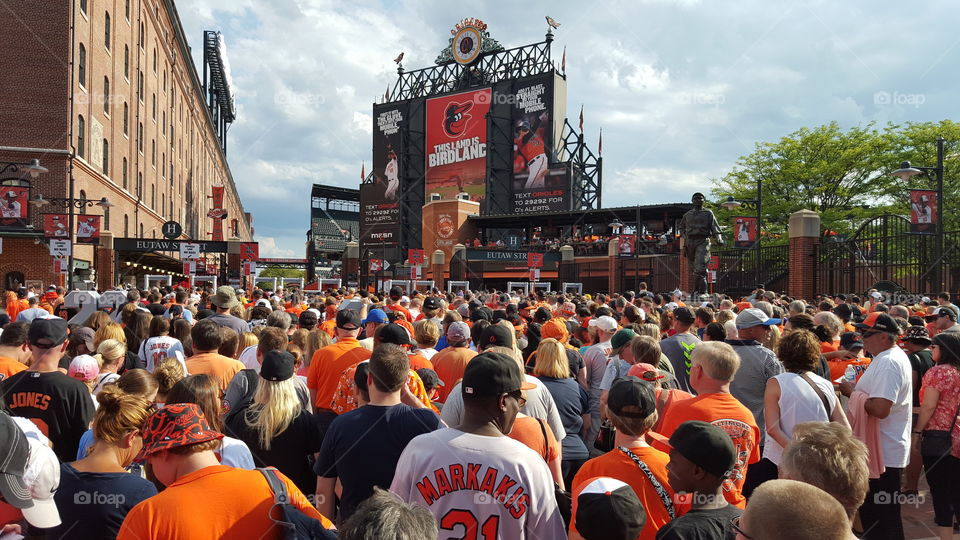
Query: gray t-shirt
[[758, 365], [234, 323], [616, 369], [678, 349]]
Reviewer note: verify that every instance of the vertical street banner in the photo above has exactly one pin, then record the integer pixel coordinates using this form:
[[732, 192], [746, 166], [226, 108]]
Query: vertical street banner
[[536, 186], [249, 251], [535, 260], [88, 229], [923, 211], [218, 214], [416, 256], [380, 200], [14, 206], [744, 231], [627, 244], [190, 268], [56, 226], [456, 147]]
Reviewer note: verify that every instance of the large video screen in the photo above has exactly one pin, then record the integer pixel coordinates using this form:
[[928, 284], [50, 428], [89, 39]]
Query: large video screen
[[380, 200], [539, 184], [456, 147]]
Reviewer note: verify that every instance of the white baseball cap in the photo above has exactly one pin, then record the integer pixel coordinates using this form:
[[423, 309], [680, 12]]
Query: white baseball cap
[[605, 323], [751, 317], [42, 478]]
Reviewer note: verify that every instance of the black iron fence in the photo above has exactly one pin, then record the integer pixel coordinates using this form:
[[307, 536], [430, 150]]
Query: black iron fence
[[740, 271]]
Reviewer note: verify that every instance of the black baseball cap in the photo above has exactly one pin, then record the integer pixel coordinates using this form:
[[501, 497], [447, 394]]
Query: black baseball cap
[[431, 302], [706, 445], [879, 321], [608, 509], [47, 333], [850, 341], [348, 319], [491, 374], [396, 292], [394, 333], [495, 336], [684, 314], [277, 366], [430, 378], [631, 392], [481, 313]]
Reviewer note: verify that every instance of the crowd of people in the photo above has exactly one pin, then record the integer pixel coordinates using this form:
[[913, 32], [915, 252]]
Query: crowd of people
[[355, 415]]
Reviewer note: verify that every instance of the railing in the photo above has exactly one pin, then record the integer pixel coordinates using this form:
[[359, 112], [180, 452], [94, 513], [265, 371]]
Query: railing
[[743, 270]]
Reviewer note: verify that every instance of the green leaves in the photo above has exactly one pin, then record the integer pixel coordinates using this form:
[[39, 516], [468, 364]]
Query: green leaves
[[844, 175]]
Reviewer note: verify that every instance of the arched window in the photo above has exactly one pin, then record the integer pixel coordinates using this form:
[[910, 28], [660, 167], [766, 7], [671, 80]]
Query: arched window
[[81, 127], [126, 119], [83, 6], [106, 95], [141, 231], [139, 185], [142, 35], [140, 137], [126, 62], [106, 158], [126, 9], [82, 65], [124, 173], [106, 30], [126, 225]]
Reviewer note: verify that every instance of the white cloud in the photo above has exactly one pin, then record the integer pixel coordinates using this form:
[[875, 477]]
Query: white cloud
[[268, 248]]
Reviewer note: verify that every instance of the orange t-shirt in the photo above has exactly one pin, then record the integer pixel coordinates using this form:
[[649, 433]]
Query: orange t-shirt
[[724, 411], [10, 367], [325, 369], [826, 347], [222, 367], [344, 399], [668, 399], [449, 364], [236, 504], [418, 361], [616, 464], [839, 367], [528, 430], [401, 309], [329, 327]]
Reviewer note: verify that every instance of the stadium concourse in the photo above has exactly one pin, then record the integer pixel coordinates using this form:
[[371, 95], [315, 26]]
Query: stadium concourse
[[480, 413]]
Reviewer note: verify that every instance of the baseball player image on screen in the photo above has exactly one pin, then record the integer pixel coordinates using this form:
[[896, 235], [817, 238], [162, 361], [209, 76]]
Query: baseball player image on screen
[[392, 172], [529, 144]]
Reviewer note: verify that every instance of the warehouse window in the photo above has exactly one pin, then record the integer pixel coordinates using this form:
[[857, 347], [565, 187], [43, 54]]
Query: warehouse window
[[124, 173], [81, 126], [126, 225], [106, 30], [83, 6], [82, 65], [106, 95], [126, 62], [106, 158], [126, 119]]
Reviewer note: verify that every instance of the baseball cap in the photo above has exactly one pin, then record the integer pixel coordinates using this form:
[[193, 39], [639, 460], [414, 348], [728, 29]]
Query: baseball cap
[[706, 445], [42, 478], [567, 308], [946, 310], [375, 315], [394, 333], [605, 323], [879, 321], [608, 509], [491, 374], [458, 332], [173, 426], [850, 341], [495, 336], [621, 339], [481, 313], [348, 319], [646, 372], [554, 328], [87, 335], [14, 454], [430, 378], [685, 314], [751, 317], [264, 302], [84, 367], [918, 334], [47, 333], [431, 302], [396, 292], [277, 365], [631, 392]]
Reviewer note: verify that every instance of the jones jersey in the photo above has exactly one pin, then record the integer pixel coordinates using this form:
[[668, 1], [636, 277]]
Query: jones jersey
[[479, 487]]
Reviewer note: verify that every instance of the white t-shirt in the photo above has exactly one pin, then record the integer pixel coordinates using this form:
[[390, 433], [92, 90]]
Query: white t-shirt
[[540, 404], [156, 349], [249, 358], [798, 403], [888, 377], [472, 482], [235, 453]]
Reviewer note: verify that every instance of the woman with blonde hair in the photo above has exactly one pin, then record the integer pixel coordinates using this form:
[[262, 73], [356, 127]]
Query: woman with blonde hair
[[110, 355], [168, 373], [136, 382], [317, 340], [572, 401], [276, 428], [116, 428], [96, 320]]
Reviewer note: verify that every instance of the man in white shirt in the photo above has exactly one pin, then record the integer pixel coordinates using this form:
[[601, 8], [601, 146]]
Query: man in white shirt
[[888, 384], [474, 478], [595, 359]]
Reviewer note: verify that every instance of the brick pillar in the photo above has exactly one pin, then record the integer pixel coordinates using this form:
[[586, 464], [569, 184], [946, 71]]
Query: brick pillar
[[804, 237], [351, 263], [567, 268], [613, 268], [438, 268], [106, 262]]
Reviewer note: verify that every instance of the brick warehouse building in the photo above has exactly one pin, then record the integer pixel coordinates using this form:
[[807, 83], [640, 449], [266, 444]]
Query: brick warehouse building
[[105, 94]]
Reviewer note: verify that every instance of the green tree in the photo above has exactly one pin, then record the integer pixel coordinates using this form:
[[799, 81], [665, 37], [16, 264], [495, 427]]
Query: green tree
[[283, 273]]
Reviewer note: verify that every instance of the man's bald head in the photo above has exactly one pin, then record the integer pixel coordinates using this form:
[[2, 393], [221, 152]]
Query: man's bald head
[[792, 510]]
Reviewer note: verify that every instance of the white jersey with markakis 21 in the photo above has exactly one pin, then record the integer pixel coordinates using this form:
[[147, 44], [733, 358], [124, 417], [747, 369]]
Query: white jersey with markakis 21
[[479, 487]]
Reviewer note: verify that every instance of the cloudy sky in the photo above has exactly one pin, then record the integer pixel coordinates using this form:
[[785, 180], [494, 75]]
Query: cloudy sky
[[681, 88]]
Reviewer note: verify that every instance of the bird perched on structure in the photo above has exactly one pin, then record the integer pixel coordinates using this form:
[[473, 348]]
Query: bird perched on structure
[[552, 23], [398, 59]]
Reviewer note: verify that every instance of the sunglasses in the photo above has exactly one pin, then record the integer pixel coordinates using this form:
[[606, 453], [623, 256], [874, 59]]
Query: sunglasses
[[735, 527], [521, 401]]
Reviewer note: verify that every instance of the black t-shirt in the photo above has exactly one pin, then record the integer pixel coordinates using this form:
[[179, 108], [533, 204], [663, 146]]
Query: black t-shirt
[[156, 309], [93, 505], [59, 405], [289, 451], [701, 525], [920, 362], [362, 448]]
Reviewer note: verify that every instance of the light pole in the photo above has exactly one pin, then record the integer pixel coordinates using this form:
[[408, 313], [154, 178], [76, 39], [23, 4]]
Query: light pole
[[732, 204], [906, 172]]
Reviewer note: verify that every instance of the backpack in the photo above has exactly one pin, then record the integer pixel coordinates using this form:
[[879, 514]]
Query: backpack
[[294, 524]]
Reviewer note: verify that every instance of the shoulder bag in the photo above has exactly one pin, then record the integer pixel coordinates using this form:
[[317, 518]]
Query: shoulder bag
[[823, 397], [938, 442], [661, 491]]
